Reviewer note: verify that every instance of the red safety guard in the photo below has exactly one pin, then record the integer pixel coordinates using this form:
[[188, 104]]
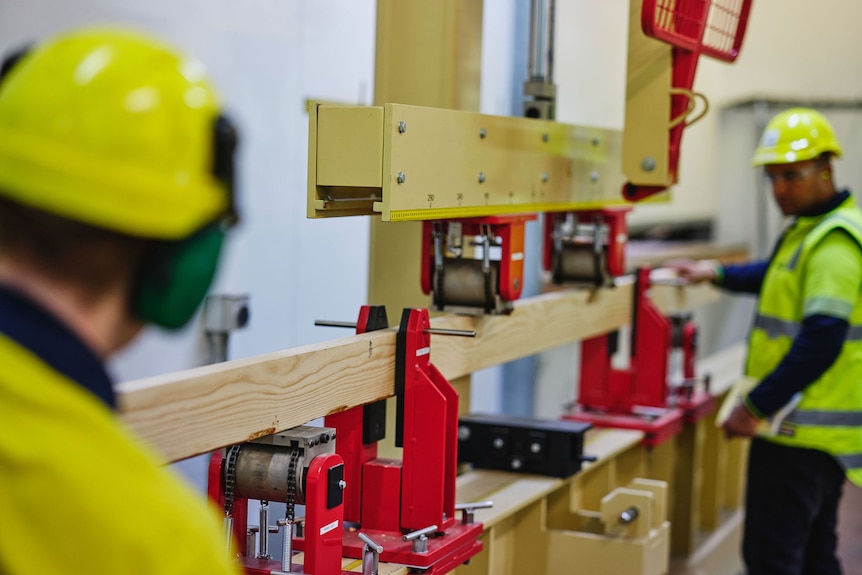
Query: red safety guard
[[713, 28]]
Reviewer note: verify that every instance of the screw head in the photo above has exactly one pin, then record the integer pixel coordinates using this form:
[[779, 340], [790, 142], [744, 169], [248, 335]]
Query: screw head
[[545, 177], [499, 443], [595, 141], [546, 137], [401, 177], [535, 447], [483, 133], [402, 126], [463, 433], [594, 176], [648, 164], [517, 463], [342, 484], [481, 177]]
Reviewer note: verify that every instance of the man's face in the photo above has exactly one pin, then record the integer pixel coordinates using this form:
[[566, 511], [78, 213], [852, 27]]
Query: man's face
[[801, 186]]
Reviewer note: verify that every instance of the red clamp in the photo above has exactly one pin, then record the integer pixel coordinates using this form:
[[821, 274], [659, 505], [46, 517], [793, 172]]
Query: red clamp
[[635, 397], [408, 506]]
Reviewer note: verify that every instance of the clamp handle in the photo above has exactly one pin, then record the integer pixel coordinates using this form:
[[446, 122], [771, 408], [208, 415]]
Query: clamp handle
[[420, 538], [370, 555], [468, 510]]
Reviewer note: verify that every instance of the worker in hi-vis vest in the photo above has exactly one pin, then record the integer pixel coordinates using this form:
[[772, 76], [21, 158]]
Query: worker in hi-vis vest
[[116, 171], [804, 354]]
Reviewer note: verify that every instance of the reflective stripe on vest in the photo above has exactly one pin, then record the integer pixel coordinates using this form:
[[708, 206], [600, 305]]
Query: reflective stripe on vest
[[851, 461], [825, 418], [775, 327]]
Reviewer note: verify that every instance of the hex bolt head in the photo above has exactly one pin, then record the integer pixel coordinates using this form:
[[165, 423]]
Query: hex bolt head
[[401, 177], [402, 126]]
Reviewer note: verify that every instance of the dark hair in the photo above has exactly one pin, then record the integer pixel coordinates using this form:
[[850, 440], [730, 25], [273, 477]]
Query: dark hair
[[92, 258]]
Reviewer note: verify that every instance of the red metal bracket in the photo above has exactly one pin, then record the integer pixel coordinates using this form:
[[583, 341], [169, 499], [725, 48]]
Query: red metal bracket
[[510, 231], [617, 235]]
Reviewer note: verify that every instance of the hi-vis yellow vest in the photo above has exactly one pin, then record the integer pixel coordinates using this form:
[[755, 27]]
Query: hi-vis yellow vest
[[829, 417], [81, 494]]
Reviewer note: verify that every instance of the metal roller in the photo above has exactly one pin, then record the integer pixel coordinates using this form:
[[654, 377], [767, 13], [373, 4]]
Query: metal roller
[[262, 471], [464, 284], [580, 263]]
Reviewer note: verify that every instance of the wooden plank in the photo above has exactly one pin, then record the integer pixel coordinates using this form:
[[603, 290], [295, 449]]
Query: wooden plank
[[194, 411]]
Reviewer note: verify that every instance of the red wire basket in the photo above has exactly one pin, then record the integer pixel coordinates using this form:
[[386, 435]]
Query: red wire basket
[[713, 28]]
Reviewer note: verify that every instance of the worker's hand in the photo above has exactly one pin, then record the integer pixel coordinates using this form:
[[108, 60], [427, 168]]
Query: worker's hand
[[694, 272], [741, 423]]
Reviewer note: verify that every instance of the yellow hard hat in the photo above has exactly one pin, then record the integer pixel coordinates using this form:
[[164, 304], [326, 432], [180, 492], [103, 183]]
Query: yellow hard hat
[[796, 135], [113, 129]]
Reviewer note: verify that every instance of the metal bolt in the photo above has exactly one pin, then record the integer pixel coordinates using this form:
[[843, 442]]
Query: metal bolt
[[516, 463], [648, 164], [481, 177], [342, 484], [545, 137], [499, 443], [483, 133], [595, 141], [402, 127], [463, 433], [545, 176], [401, 177], [594, 176], [535, 447]]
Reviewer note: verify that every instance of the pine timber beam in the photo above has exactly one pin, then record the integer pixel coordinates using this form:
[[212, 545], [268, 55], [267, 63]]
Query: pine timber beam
[[191, 412]]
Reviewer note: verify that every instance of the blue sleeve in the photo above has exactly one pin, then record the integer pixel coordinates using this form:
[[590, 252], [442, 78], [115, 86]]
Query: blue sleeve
[[745, 278], [813, 351]]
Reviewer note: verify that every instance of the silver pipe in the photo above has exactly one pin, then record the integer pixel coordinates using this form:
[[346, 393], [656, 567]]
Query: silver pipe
[[541, 64]]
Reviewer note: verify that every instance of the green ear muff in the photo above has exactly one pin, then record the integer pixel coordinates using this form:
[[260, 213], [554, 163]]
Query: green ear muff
[[175, 279]]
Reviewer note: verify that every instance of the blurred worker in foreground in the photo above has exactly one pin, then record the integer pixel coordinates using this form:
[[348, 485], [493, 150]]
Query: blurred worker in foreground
[[116, 173], [806, 339]]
